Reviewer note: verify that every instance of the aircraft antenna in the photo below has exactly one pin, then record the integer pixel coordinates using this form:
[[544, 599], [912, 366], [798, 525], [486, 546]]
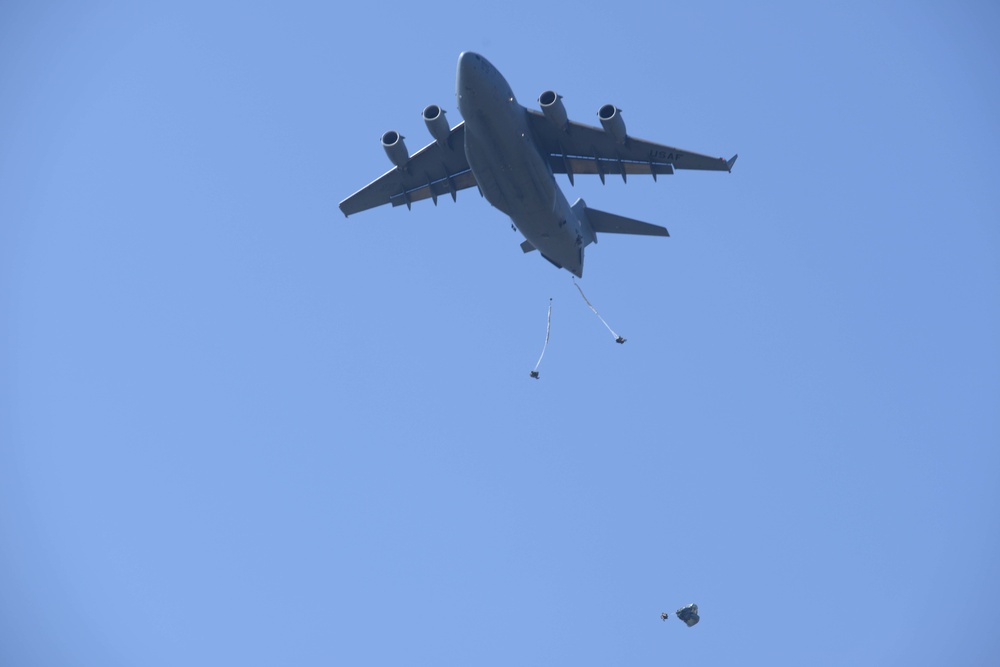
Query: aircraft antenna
[[618, 339], [548, 329]]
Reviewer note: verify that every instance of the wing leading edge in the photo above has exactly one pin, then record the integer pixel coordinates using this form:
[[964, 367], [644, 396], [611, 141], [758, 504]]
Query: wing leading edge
[[584, 149], [433, 171]]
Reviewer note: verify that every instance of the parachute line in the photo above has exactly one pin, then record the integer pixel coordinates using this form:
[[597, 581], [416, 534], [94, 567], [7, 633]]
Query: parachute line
[[618, 339], [548, 330]]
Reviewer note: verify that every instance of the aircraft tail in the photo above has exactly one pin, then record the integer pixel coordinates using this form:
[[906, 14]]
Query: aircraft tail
[[601, 221]]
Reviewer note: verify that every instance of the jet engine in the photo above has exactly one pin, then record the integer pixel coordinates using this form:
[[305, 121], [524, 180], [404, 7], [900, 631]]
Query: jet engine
[[552, 107], [437, 125], [392, 142], [611, 119]]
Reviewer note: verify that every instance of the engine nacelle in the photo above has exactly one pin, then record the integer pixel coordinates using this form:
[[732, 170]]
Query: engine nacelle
[[611, 120], [392, 142], [437, 125], [552, 107]]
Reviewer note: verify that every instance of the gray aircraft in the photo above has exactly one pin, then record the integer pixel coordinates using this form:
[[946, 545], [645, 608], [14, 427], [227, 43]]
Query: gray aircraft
[[512, 154]]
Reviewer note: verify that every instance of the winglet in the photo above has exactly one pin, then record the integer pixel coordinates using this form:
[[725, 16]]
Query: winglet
[[730, 162]]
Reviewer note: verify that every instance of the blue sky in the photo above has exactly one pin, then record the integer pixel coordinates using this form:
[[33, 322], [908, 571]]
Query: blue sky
[[237, 428]]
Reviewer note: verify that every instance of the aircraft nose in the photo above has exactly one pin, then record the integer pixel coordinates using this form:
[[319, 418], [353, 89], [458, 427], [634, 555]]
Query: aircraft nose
[[478, 80], [468, 63], [469, 72]]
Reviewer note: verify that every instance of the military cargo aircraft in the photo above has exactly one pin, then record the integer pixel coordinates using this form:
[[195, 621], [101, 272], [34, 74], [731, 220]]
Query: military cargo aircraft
[[512, 154]]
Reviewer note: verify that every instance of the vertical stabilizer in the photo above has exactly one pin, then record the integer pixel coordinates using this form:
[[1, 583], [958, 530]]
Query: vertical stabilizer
[[580, 210]]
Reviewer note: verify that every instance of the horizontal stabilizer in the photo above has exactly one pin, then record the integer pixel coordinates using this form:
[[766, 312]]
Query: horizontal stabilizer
[[617, 224], [527, 247]]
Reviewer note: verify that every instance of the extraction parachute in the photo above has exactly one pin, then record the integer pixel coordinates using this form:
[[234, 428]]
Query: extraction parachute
[[548, 330]]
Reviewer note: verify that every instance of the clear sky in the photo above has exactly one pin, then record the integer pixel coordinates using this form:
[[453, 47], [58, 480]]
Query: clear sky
[[238, 428]]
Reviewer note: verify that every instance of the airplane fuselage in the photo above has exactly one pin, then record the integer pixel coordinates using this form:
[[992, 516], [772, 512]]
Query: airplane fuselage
[[511, 172]]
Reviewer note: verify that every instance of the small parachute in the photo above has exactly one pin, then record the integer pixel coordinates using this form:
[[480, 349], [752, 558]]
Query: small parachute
[[548, 330], [689, 614], [618, 339]]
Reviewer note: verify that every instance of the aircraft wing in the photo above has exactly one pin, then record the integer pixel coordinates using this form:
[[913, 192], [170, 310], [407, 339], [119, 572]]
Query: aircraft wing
[[432, 171], [583, 149]]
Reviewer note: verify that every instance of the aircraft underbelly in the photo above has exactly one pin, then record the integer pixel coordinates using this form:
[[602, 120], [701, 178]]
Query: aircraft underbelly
[[502, 154], [515, 179], [556, 234]]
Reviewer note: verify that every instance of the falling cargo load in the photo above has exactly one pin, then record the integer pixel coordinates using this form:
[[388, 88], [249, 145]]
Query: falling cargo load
[[689, 614]]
